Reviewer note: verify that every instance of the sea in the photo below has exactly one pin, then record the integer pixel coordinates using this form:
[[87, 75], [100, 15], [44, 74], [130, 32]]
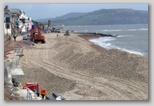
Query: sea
[[132, 38]]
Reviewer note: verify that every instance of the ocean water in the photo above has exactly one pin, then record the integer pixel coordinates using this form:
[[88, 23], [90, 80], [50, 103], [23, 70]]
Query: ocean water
[[131, 38]]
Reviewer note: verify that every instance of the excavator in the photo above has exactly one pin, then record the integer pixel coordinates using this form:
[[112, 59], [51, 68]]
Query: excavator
[[36, 35]]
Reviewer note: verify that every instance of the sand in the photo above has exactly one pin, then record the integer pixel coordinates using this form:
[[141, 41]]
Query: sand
[[79, 70]]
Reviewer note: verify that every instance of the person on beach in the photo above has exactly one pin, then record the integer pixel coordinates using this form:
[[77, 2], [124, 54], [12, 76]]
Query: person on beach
[[43, 93], [14, 35], [14, 38]]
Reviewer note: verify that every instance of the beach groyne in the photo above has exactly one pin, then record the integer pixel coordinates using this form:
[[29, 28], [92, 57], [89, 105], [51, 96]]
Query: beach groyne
[[97, 34]]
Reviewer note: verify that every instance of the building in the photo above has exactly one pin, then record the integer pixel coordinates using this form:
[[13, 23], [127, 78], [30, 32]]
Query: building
[[7, 21], [11, 20], [16, 21]]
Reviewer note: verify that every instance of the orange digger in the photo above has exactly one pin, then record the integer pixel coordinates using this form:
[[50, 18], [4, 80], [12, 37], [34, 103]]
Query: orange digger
[[36, 36]]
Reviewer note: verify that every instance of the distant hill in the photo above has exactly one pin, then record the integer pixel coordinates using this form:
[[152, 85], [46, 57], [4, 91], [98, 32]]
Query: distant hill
[[70, 15], [64, 17], [103, 17]]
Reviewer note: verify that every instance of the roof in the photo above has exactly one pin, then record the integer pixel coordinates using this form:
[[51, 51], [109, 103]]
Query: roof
[[15, 11]]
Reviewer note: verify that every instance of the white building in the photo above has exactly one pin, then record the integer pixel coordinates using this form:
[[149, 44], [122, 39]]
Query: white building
[[22, 22]]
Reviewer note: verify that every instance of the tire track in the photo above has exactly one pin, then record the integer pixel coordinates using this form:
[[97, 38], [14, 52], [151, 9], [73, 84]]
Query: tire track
[[112, 86]]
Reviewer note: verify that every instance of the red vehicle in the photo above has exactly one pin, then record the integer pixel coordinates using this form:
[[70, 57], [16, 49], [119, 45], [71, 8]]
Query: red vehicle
[[34, 86], [36, 35]]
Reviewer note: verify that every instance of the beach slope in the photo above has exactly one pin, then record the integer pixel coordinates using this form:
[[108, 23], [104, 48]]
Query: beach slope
[[79, 70]]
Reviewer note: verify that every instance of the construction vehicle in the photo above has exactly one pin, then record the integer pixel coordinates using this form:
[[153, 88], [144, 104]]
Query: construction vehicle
[[36, 36], [67, 33], [34, 86]]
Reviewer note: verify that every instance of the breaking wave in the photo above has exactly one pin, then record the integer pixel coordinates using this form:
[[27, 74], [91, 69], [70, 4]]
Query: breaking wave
[[122, 36], [129, 51], [105, 43]]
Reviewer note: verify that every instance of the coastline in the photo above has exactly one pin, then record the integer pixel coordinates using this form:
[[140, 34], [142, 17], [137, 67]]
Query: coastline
[[95, 37], [88, 71]]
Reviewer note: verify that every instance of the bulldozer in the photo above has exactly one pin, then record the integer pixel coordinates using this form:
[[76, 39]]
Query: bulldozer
[[36, 35]]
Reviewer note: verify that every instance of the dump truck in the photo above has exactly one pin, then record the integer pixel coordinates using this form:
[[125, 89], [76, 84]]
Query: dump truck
[[36, 35]]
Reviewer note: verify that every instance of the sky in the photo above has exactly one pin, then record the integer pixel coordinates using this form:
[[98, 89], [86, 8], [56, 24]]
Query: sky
[[42, 11]]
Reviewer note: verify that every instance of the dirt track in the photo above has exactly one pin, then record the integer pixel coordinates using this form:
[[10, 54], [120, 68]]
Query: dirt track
[[80, 70]]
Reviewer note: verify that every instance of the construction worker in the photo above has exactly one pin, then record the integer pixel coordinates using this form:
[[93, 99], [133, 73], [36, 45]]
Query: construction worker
[[43, 93]]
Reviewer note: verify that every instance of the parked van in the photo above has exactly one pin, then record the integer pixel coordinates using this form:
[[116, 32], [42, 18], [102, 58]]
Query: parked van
[[25, 36]]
